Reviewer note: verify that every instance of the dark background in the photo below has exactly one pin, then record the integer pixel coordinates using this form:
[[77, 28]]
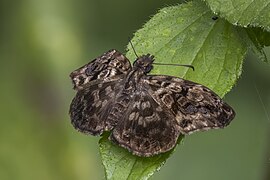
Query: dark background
[[42, 41]]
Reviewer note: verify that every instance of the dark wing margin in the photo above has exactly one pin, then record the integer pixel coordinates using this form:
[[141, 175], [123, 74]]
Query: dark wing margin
[[105, 67], [146, 129], [195, 107], [90, 108]]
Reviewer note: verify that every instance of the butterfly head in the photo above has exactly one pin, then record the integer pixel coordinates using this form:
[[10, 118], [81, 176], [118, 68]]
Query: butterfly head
[[144, 62]]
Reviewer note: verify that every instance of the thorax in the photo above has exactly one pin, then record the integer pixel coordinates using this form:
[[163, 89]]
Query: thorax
[[133, 80]]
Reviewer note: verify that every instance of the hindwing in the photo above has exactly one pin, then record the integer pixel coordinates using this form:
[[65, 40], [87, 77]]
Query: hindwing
[[146, 128], [194, 106]]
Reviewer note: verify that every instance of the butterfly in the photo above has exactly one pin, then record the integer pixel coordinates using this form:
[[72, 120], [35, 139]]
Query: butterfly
[[144, 113]]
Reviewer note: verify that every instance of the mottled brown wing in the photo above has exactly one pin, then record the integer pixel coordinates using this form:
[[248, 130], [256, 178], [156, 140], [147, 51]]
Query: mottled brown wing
[[91, 107], [146, 129], [194, 106], [110, 65], [97, 84]]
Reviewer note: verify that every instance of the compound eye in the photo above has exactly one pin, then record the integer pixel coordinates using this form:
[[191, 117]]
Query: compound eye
[[148, 68]]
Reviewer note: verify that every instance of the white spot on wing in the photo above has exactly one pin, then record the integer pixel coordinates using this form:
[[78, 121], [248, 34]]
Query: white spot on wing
[[131, 116]]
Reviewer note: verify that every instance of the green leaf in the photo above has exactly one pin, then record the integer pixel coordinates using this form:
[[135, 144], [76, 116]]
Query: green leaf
[[255, 39], [120, 164], [243, 12], [259, 39], [186, 34], [260, 36], [183, 34]]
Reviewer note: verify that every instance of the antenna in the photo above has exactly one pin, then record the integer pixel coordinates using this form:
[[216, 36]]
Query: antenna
[[189, 66], [129, 39], [184, 65]]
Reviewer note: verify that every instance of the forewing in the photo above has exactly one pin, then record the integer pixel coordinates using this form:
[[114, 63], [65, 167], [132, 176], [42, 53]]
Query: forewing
[[195, 107], [146, 128], [91, 107], [110, 65]]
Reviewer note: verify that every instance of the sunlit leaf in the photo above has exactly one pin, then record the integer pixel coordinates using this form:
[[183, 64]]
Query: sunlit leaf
[[187, 34], [243, 12], [260, 39]]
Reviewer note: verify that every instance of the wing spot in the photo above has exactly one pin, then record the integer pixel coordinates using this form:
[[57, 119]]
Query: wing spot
[[95, 95], [99, 103], [104, 103], [131, 116], [178, 116], [145, 105], [141, 121], [191, 109], [137, 104], [108, 90], [168, 100], [159, 109], [100, 85]]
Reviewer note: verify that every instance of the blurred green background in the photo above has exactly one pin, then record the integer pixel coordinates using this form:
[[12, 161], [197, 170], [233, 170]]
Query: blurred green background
[[42, 41]]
